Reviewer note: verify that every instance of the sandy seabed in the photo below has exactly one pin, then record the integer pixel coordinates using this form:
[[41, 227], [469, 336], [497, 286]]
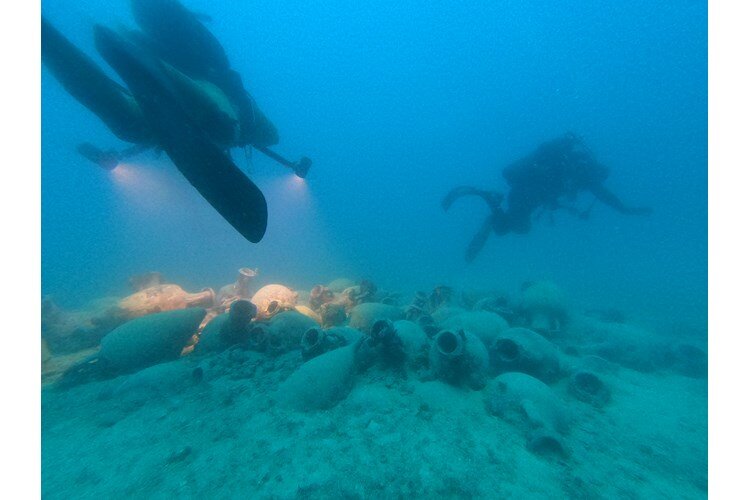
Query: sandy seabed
[[164, 435], [238, 422]]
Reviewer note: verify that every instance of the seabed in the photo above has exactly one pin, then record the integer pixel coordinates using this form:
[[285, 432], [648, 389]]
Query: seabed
[[397, 409]]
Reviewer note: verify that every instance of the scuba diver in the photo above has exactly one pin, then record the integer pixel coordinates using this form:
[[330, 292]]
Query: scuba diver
[[181, 96], [548, 179]]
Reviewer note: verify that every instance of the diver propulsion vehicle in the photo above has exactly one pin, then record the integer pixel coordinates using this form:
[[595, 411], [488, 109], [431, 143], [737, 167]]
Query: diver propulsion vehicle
[[195, 155], [192, 107], [179, 36]]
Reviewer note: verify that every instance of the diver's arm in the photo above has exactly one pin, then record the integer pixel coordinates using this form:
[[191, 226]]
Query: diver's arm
[[609, 198]]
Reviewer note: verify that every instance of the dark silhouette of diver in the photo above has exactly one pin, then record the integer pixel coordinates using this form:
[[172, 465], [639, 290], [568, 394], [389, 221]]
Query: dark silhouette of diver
[[180, 96], [548, 179]]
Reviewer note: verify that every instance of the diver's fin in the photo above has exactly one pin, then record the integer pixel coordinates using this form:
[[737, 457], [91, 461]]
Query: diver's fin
[[201, 161], [90, 86], [492, 198], [455, 194], [479, 239]]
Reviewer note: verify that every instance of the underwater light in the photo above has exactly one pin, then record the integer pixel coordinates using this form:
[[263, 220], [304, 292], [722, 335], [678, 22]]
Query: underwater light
[[124, 174], [300, 167], [107, 160], [292, 189], [110, 159], [294, 185]]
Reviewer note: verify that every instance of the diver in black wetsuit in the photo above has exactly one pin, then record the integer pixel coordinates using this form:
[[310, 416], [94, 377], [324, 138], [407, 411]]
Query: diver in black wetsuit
[[547, 180], [199, 70], [180, 96]]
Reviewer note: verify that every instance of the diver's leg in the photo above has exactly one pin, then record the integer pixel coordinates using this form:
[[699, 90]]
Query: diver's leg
[[479, 239], [181, 39], [90, 86], [506, 222], [523, 201]]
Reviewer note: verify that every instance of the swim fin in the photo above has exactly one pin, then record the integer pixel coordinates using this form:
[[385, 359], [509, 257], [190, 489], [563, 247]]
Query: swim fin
[[90, 86], [492, 198], [479, 240], [201, 161]]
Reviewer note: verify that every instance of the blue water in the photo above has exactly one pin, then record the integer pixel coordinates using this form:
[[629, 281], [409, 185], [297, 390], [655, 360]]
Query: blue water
[[396, 102]]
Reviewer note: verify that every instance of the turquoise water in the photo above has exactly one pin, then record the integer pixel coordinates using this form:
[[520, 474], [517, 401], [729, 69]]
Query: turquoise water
[[396, 103]]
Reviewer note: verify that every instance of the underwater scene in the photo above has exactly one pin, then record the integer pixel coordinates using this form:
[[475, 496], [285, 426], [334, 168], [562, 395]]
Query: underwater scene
[[394, 249]]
